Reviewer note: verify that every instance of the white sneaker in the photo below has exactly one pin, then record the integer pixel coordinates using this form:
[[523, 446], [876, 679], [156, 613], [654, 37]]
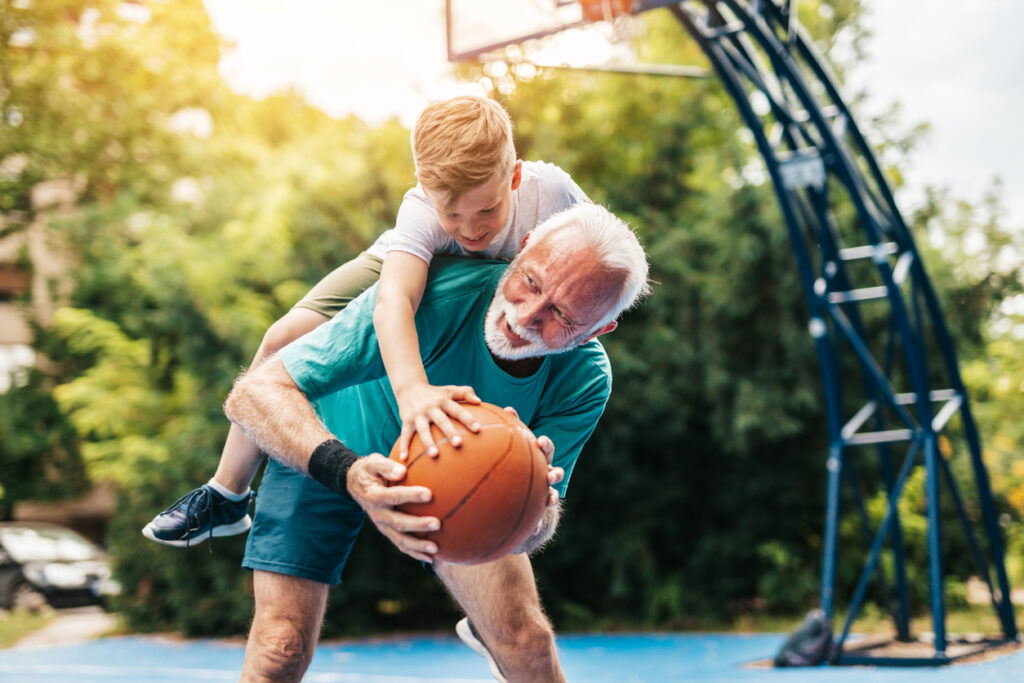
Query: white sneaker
[[468, 635]]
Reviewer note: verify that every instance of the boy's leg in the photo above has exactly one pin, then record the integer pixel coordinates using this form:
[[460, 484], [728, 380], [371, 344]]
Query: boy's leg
[[220, 507], [241, 458], [500, 598]]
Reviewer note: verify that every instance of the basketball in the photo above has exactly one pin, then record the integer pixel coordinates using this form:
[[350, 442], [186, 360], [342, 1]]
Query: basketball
[[489, 493]]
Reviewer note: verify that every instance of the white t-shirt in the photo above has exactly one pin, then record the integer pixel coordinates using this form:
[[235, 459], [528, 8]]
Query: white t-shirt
[[544, 191]]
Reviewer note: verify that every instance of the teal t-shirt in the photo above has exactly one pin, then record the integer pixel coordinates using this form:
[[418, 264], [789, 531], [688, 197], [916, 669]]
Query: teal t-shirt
[[339, 368]]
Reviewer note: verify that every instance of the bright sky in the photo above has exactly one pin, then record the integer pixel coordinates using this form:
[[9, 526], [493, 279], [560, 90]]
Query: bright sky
[[955, 64]]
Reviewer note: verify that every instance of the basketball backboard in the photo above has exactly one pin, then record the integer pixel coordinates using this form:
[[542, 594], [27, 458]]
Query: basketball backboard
[[580, 34]]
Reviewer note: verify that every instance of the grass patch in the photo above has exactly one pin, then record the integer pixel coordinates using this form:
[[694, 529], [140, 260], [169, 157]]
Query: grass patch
[[872, 621], [18, 623], [963, 620]]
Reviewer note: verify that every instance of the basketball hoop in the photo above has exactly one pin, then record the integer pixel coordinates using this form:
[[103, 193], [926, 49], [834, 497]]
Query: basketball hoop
[[601, 10], [545, 33]]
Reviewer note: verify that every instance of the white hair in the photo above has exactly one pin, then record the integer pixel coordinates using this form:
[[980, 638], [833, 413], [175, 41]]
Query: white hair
[[617, 248]]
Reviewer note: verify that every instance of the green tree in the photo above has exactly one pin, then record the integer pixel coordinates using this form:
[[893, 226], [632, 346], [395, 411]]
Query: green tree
[[39, 458]]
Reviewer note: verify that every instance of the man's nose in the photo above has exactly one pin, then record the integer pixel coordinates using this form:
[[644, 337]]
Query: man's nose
[[529, 311]]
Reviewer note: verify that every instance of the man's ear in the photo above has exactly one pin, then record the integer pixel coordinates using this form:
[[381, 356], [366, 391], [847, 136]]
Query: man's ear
[[522, 245], [604, 329], [517, 175]]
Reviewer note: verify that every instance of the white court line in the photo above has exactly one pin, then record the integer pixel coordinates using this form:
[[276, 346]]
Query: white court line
[[150, 673]]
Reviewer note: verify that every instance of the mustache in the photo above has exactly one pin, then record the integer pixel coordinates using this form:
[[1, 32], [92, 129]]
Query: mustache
[[512, 320]]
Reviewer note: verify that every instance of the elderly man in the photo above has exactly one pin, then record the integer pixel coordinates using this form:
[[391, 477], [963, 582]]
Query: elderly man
[[519, 336]]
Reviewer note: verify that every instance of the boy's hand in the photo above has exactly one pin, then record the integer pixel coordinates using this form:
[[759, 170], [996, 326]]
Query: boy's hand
[[421, 404]]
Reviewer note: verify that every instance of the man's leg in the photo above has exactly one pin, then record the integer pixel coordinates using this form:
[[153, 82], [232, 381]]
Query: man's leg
[[500, 598], [285, 628]]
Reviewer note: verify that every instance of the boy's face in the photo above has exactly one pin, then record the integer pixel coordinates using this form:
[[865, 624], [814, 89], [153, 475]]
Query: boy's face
[[477, 217]]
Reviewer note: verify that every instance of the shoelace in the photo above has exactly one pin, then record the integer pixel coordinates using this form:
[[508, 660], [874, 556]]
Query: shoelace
[[195, 502]]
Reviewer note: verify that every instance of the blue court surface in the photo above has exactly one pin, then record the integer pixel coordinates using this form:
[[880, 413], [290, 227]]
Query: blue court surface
[[629, 658]]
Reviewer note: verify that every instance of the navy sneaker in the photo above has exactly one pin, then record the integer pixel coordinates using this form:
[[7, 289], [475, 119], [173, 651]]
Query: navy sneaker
[[464, 629], [198, 515]]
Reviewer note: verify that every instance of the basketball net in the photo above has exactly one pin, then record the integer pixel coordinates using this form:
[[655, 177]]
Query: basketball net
[[611, 23]]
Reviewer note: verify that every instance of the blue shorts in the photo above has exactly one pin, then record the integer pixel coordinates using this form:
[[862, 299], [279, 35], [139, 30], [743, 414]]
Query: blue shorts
[[301, 527]]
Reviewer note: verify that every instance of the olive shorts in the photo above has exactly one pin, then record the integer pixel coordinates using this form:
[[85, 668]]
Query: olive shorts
[[343, 284]]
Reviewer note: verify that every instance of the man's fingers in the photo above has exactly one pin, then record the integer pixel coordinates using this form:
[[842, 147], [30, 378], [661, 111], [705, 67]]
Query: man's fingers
[[555, 475], [390, 496], [547, 447], [380, 500], [512, 410], [552, 498], [379, 466], [414, 546], [404, 523]]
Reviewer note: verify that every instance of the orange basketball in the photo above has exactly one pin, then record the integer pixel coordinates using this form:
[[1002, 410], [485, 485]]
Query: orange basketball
[[489, 493]]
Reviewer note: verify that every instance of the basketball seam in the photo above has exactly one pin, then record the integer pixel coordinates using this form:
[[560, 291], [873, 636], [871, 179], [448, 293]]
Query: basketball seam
[[485, 477], [522, 511]]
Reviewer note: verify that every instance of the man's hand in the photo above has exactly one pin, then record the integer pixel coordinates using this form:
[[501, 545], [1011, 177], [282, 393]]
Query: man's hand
[[545, 528], [420, 404], [368, 483], [555, 474]]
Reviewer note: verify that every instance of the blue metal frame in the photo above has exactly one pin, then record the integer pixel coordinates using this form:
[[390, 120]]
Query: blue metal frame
[[758, 50], [816, 158]]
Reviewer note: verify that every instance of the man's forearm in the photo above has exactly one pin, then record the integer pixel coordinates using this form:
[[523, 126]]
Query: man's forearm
[[266, 403]]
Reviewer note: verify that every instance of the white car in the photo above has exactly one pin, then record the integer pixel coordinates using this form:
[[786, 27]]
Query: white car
[[45, 563]]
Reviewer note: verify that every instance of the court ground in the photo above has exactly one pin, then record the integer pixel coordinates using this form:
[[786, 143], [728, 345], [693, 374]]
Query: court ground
[[626, 658]]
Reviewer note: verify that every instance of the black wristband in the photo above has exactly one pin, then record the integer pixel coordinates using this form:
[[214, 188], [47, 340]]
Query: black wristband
[[329, 465]]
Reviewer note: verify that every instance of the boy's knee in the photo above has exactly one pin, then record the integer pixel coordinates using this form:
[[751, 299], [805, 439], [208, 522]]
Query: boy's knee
[[278, 336], [287, 329]]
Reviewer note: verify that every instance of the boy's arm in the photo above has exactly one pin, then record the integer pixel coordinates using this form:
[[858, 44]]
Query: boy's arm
[[402, 280]]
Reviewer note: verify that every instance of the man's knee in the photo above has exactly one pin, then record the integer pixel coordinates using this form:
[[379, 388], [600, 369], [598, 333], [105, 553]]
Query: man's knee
[[285, 628], [282, 648], [525, 631]]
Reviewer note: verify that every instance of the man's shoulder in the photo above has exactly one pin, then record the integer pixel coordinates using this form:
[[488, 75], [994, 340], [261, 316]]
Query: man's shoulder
[[585, 364], [452, 276]]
